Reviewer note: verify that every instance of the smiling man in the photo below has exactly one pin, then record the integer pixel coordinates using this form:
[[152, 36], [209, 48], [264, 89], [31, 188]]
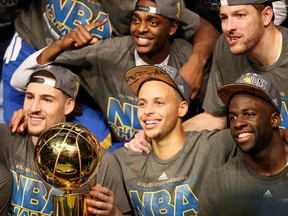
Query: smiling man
[[168, 180], [250, 42], [255, 181], [50, 96]]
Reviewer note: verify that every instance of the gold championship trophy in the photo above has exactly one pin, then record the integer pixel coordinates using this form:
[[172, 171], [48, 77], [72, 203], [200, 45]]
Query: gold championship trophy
[[68, 157]]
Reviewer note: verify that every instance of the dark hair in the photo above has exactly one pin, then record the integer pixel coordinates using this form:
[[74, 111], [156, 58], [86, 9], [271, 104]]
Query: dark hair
[[262, 6], [43, 73]]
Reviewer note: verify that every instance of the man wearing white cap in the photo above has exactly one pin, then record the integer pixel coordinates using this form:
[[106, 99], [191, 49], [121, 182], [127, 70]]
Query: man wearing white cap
[[250, 43]]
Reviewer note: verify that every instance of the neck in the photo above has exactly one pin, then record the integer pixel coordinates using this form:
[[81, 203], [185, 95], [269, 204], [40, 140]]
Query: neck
[[35, 139], [268, 50], [170, 145], [271, 160], [156, 57]]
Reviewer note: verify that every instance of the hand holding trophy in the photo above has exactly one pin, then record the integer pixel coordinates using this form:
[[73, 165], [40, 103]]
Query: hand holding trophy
[[68, 157]]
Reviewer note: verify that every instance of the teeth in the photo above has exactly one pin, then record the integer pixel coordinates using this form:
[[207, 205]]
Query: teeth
[[142, 39], [243, 135], [151, 122]]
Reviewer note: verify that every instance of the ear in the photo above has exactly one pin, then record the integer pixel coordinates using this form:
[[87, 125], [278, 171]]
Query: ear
[[267, 15], [183, 109], [69, 105], [173, 28], [275, 120]]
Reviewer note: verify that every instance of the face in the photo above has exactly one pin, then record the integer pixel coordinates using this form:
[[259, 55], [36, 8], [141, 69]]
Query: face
[[45, 106], [151, 32], [243, 27], [160, 109], [251, 125]]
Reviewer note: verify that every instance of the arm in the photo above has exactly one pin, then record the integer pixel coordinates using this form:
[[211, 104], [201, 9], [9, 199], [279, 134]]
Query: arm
[[204, 121], [204, 42], [139, 143], [76, 39]]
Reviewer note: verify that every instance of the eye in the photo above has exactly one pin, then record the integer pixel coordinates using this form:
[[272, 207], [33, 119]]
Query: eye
[[159, 103], [232, 118], [249, 115], [29, 97], [153, 23], [135, 20], [141, 104], [223, 18], [240, 15], [47, 100]]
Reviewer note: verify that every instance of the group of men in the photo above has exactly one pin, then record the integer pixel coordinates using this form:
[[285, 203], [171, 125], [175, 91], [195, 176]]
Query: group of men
[[177, 173]]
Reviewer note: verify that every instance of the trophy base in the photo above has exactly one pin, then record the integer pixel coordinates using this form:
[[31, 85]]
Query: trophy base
[[71, 205]]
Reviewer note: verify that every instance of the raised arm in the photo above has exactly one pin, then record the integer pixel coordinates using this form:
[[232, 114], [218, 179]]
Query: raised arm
[[204, 42], [76, 39]]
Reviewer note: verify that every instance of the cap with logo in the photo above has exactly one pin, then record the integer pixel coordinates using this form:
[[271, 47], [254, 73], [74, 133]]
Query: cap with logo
[[244, 2], [136, 76], [65, 81], [167, 8], [254, 84]]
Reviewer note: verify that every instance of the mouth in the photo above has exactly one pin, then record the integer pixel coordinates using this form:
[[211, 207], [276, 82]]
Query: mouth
[[232, 40], [243, 137], [35, 119], [142, 41], [149, 124]]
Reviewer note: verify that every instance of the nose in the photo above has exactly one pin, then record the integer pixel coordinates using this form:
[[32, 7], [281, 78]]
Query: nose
[[149, 110], [35, 105], [239, 122], [229, 25], [142, 27]]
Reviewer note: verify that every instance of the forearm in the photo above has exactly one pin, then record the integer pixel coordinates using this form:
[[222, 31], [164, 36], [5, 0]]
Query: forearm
[[50, 53], [205, 121], [204, 41]]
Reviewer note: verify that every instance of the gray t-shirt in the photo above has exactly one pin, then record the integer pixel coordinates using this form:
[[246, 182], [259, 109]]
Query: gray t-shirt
[[227, 68], [235, 185], [172, 186], [29, 192]]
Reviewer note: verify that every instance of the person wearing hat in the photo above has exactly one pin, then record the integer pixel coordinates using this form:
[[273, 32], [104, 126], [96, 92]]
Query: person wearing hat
[[250, 43], [102, 65], [50, 96], [256, 177], [168, 180]]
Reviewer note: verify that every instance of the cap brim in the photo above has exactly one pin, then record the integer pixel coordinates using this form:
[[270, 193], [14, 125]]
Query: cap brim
[[226, 92], [137, 75], [77, 111]]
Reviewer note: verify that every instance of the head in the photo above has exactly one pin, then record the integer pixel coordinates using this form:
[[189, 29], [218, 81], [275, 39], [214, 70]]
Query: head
[[163, 98], [244, 23], [50, 96], [254, 107], [153, 23]]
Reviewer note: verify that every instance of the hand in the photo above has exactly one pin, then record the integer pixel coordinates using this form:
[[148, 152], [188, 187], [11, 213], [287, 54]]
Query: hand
[[102, 202], [193, 72], [80, 36], [18, 122], [139, 143]]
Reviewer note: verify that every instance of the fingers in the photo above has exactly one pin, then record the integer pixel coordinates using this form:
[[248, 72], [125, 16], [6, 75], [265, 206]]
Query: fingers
[[139, 143], [102, 202], [17, 122], [80, 36]]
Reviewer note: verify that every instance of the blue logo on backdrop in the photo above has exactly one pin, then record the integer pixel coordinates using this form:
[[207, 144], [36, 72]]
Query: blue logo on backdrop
[[63, 16]]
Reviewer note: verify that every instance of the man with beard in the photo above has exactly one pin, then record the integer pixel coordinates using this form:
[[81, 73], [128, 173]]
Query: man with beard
[[50, 96], [102, 65], [255, 181], [250, 43]]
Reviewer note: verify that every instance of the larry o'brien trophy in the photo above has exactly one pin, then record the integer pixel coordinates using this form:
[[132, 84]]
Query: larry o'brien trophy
[[67, 157]]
